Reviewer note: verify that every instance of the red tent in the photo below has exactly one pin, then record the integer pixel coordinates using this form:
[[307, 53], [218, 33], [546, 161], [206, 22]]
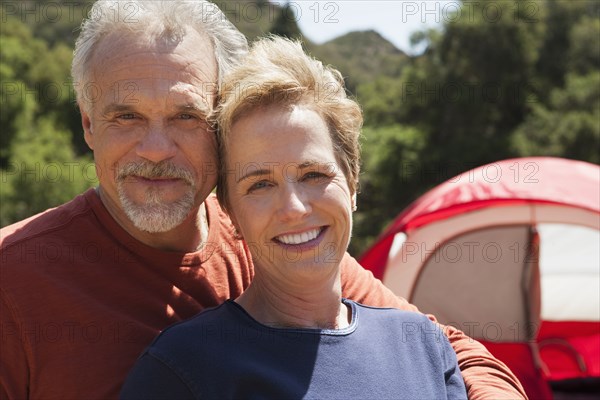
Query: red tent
[[510, 253]]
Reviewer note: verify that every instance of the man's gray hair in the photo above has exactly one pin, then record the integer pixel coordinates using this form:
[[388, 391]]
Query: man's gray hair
[[168, 19]]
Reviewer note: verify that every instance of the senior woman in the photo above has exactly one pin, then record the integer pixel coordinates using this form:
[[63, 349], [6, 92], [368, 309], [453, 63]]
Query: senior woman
[[288, 179]]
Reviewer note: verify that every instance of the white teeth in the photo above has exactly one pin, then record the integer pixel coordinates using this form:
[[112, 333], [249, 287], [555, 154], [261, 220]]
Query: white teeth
[[299, 238]]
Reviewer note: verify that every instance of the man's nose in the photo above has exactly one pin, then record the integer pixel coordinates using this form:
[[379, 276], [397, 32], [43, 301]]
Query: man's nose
[[157, 144]]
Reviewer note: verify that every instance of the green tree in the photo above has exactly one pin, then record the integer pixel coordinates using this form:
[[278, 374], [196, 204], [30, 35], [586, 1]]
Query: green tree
[[43, 170], [391, 177], [286, 23], [381, 101], [29, 69], [569, 127], [583, 55], [18, 51], [479, 83], [567, 124], [554, 63], [53, 21]]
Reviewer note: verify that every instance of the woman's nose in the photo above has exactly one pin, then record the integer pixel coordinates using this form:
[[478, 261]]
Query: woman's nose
[[294, 203]]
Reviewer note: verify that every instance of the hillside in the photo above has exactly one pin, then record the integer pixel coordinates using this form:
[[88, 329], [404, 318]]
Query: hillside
[[361, 56]]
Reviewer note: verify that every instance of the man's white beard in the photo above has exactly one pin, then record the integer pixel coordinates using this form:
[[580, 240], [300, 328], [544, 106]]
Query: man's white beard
[[155, 215]]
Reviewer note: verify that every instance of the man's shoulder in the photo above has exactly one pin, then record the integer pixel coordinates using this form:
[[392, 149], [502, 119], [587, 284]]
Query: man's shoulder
[[46, 222], [214, 208], [219, 221]]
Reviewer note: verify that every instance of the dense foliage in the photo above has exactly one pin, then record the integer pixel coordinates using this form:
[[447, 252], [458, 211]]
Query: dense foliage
[[501, 79]]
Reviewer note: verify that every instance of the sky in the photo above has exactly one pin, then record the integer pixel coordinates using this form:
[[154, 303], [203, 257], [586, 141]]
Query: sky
[[395, 20]]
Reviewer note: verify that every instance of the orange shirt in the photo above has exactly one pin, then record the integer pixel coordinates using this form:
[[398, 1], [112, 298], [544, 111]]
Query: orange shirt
[[80, 299]]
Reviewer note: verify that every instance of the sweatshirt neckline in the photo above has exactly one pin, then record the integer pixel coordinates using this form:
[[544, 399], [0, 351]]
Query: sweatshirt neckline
[[241, 312]]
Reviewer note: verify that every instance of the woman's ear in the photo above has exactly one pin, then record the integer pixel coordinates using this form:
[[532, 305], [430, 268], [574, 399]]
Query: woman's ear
[[353, 202], [236, 232], [236, 227]]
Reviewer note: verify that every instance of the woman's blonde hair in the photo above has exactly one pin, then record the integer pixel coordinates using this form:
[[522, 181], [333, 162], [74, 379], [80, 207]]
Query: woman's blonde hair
[[277, 71]]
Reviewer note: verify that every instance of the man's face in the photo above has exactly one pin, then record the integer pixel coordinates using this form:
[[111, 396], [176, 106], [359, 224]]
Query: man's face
[[155, 156]]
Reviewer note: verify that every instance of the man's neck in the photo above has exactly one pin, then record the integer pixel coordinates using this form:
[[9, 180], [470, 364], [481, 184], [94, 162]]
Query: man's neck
[[188, 237]]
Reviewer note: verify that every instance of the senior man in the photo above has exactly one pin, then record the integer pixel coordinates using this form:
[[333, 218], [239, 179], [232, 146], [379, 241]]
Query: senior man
[[86, 286]]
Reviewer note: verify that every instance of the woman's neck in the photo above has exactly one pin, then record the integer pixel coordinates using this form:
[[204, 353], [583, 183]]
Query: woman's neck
[[301, 306]]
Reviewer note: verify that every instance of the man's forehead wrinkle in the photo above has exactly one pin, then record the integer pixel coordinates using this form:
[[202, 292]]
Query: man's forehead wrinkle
[[174, 100], [156, 66], [196, 70], [166, 85], [200, 67], [157, 76], [207, 72], [198, 56], [163, 81]]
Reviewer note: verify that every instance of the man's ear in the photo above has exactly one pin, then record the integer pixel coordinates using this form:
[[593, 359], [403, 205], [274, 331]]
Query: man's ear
[[86, 123]]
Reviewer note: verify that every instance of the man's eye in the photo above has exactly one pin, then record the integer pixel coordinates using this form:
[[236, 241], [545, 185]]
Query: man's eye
[[126, 116], [314, 176]]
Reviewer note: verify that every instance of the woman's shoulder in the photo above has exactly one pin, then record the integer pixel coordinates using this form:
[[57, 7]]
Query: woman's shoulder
[[388, 313], [405, 324], [202, 327]]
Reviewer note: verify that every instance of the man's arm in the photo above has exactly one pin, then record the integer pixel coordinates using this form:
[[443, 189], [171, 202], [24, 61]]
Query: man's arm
[[14, 371], [485, 376], [152, 379]]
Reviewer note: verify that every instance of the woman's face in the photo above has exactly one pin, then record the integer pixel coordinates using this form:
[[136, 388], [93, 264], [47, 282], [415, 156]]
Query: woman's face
[[288, 196]]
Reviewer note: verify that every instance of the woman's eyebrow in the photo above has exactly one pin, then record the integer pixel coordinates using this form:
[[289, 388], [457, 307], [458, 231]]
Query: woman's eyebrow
[[256, 172]]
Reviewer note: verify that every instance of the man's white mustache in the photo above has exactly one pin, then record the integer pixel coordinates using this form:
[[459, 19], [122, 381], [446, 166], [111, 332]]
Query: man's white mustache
[[149, 170]]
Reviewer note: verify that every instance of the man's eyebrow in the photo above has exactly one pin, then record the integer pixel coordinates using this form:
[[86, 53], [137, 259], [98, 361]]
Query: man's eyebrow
[[193, 108], [117, 108], [308, 164], [256, 172]]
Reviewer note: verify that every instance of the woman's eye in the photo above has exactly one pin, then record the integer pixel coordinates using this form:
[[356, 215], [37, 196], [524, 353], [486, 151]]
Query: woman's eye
[[186, 116], [258, 185]]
